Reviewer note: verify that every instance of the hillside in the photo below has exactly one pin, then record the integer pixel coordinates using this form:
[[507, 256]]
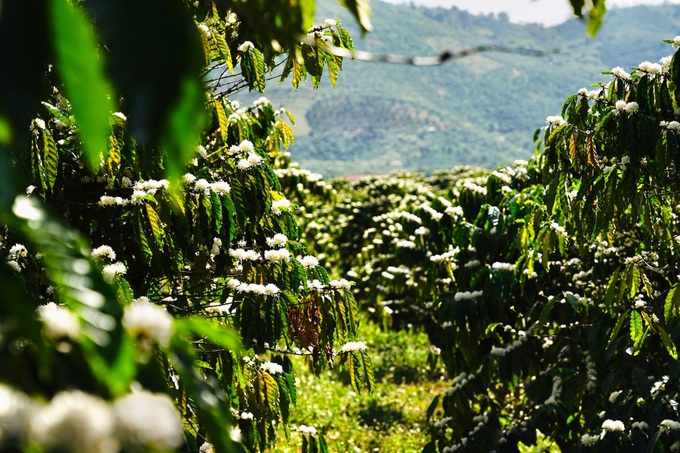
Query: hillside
[[481, 110]]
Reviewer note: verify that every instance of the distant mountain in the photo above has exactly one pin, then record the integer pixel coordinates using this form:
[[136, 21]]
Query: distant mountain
[[480, 110]]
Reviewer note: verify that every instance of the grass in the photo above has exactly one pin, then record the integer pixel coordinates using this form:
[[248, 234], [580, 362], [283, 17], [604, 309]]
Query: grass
[[392, 418]]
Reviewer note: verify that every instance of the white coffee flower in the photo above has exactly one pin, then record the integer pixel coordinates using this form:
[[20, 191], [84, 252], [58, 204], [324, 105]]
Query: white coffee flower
[[279, 240], [148, 419], [221, 187], [121, 116], [280, 205], [75, 421], [202, 185], [620, 73], [58, 321], [103, 251], [670, 424], [613, 425], [555, 120], [272, 368], [207, 447], [309, 430], [149, 321], [246, 46], [309, 261], [353, 346], [589, 440], [340, 284], [110, 271], [16, 410]]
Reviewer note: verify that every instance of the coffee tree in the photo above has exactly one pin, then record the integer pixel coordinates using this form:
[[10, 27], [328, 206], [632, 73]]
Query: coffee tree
[[548, 288], [157, 280]]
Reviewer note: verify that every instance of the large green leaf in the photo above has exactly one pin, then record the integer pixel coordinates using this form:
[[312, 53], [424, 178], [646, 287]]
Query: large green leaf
[[162, 106], [362, 12], [81, 68], [595, 17], [80, 285], [210, 403], [184, 124], [211, 331]]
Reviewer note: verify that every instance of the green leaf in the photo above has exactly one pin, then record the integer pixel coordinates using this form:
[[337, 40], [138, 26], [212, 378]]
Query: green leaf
[[647, 284], [183, 127], [209, 402], [81, 68], [114, 158], [368, 371], [140, 236], [81, 286], [223, 48], [633, 281], [617, 328], [221, 118], [577, 6], [323, 447], [671, 306], [362, 12], [675, 70], [352, 365], [253, 69], [491, 327], [155, 224], [211, 330], [217, 211], [167, 110], [5, 131], [345, 38], [637, 330], [667, 341], [50, 158], [595, 17], [57, 113], [307, 11], [432, 407]]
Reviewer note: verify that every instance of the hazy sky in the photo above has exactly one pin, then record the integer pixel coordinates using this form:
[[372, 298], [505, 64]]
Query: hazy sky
[[548, 12]]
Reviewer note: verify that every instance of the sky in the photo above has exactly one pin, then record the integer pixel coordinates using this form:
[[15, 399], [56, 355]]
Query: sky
[[547, 12]]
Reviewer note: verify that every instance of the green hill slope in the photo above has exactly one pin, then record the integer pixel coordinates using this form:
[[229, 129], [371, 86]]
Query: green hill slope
[[480, 110]]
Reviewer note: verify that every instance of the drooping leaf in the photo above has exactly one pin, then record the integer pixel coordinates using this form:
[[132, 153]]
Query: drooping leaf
[[164, 110], [595, 17], [209, 401], [81, 67], [368, 371], [361, 9], [50, 158], [637, 329], [667, 341], [81, 286], [182, 129], [617, 328], [672, 304], [221, 118], [57, 113], [155, 224], [224, 50], [211, 330], [140, 235], [114, 157]]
